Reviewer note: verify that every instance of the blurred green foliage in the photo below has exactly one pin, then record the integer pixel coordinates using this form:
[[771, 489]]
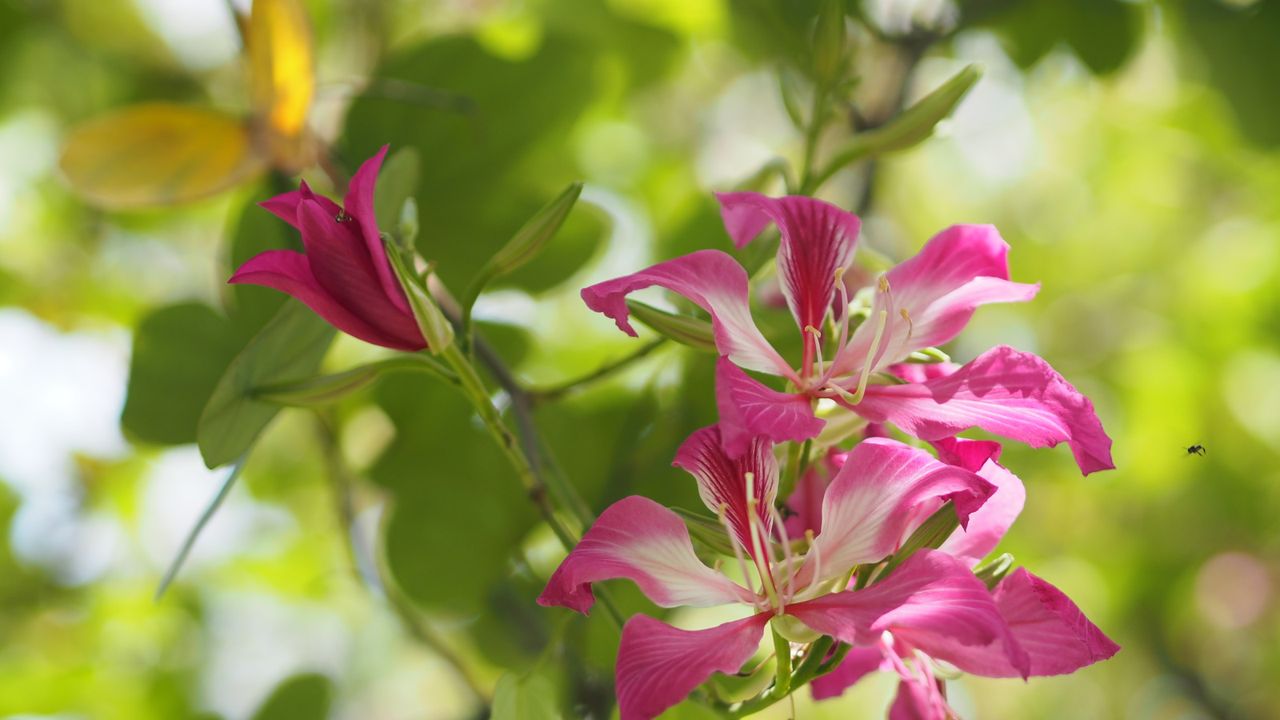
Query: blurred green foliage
[[1127, 151]]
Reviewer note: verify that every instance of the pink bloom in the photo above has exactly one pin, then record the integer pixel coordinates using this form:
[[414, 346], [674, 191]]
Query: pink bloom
[[883, 492], [344, 275], [1045, 624], [923, 302]]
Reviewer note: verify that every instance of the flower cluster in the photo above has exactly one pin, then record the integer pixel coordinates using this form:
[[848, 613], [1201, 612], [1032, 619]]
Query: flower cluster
[[835, 569]]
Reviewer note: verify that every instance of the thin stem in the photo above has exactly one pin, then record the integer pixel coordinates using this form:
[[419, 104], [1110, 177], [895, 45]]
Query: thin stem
[[559, 390], [817, 121], [473, 387], [374, 574]]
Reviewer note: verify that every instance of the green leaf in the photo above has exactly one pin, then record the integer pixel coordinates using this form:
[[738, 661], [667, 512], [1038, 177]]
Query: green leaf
[[911, 127], [528, 697], [1239, 48], [1102, 33], [320, 390], [525, 245], [179, 353], [193, 534], [301, 697], [490, 170], [290, 347]]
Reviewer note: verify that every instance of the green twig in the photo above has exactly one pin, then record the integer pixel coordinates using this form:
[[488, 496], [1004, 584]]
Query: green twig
[[559, 390]]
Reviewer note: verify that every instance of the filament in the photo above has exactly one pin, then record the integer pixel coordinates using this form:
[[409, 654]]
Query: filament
[[788, 588], [722, 512], [758, 547]]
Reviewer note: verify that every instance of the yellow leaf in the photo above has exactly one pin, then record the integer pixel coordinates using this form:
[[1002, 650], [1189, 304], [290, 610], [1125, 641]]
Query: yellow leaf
[[282, 76], [157, 154]]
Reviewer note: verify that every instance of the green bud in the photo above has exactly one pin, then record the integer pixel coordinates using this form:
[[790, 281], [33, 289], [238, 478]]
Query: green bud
[[928, 356], [691, 331], [993, 571], [908, 129], [930, 535], [829, 44]]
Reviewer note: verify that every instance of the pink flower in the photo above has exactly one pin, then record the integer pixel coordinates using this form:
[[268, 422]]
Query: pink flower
[[883, 492], [344, 275], [1046, 625], [923, 302]]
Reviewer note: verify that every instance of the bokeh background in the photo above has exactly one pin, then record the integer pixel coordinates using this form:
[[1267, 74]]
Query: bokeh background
[[380, 564]]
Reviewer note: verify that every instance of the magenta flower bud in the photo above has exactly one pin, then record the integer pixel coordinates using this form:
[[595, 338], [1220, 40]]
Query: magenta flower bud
[[344, 275]]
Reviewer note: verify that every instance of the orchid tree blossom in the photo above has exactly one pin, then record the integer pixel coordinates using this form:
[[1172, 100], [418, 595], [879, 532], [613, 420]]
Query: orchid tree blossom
[[1051, 629], [344, 275], [921, 303], [883, 492]]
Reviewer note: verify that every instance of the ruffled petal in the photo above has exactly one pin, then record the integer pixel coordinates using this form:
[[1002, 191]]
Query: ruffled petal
[[359, 205], [341, 264], [638, 539], [658, 665], [1003, 391], [930, 596], [931, 296], [715, 282], [289, 272], [817, 239], [988, 524], [1053, 631], [749, 409], [883, 492], [722, 481]]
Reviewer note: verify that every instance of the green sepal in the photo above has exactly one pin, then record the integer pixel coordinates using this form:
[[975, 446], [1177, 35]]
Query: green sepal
[[930, 535], [686, 330], [706, 530], [432, 323]]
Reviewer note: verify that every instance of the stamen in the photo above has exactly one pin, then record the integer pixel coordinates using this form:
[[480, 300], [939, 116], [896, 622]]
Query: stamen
[[882, 319], [816, 553], [911, 327], [788, 557], [759, 547], [817, 352], [842, 320], [722, 512]]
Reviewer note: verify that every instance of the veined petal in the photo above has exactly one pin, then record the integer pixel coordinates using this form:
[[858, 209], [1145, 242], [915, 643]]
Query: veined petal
[[932, 295], [359, 204], [638, 539], [1003, 391], [749, 409], [883, 492], [289, 272], [658, 665], [343, 267], [722, 480], [817, 239], [931, 595], [988, 524], [1052, 630], [857, 664], [715, 282]]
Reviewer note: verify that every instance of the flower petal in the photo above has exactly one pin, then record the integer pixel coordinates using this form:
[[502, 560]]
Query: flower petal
[[658, 665], [638, 539], [919, 699], [1052, 630], [931, 595], [883, 492], [805, 502], [359, 205], [932, 295], [988, 524], [285, 206], [860, 662], [1004, 391], [289, 272], [341, 264], [722, 480], [715, 282], [817, 239], [748, 409]]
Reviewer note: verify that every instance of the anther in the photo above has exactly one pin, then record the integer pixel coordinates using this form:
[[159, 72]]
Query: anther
[[342, 216]]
